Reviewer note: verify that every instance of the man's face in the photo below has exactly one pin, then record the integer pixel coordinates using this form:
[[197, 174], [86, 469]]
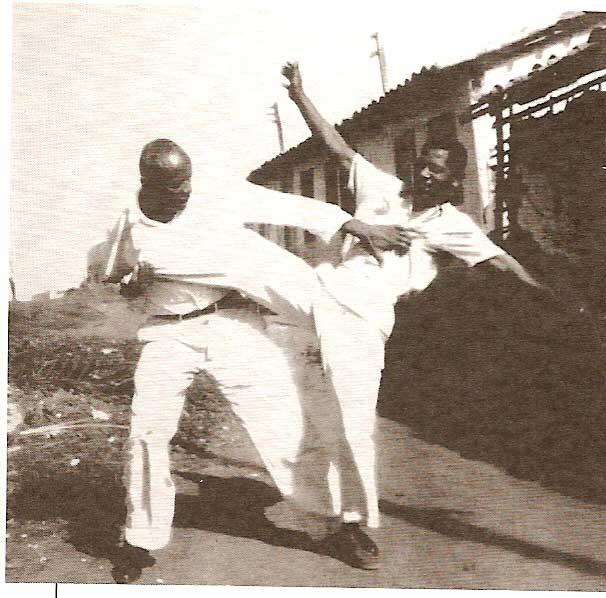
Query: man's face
[[178, 195], [165, 201], [433, 180]]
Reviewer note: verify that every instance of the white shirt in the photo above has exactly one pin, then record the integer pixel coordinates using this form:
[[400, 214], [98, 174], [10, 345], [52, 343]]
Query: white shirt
[[370, 290], [206, 251]]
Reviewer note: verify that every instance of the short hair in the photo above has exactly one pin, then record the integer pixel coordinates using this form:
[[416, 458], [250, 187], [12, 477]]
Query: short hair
[[457, 154], [164, 164]]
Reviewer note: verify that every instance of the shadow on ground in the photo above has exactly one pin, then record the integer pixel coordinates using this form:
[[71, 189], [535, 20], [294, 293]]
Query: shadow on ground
[[235, 506], [452, 524], [92, 509], [487, 368], [90, 504]]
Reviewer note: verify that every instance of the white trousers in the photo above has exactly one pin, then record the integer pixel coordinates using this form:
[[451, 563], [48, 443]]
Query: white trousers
[[353, 352], [318, 453]]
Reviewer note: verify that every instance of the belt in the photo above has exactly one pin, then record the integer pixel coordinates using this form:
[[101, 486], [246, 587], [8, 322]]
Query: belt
[[230, 301]]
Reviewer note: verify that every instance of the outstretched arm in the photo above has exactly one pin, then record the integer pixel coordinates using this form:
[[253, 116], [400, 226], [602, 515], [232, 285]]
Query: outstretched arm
[[256, 204], [506, 263], [318, 125], [558, 297]]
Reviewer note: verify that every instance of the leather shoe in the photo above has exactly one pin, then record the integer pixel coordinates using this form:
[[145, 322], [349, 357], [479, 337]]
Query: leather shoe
[[353, 546], [129, 562]]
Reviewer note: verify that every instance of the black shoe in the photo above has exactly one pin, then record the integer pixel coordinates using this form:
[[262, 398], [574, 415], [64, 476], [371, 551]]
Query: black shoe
[[352, 546], [129, 562]]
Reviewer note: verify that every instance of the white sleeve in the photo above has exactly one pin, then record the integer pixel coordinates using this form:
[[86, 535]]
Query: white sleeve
[[369, 184], [117, 254], [456, 233], [259, 205]]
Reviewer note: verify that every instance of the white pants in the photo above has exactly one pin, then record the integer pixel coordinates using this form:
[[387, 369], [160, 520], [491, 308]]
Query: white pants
[[353, 352], [290, 413]]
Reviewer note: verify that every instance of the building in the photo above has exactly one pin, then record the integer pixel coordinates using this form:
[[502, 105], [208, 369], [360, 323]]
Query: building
[[391, 131], [550, 172]]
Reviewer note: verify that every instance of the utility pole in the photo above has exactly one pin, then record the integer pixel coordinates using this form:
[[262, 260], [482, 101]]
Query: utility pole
[[275, 114], [380, 54], [11, 282]]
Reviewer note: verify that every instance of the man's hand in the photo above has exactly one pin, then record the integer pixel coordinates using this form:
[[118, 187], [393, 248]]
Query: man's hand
[[144, 274], [560, 298], [295, 84], [142, 278], [377, 238]]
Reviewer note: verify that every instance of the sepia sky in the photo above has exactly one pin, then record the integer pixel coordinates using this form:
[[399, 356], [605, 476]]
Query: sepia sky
[[91, 83]]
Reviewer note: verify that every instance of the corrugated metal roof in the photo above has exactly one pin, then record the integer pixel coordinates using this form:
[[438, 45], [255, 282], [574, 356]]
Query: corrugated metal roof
[[542, 79], [563, 28]]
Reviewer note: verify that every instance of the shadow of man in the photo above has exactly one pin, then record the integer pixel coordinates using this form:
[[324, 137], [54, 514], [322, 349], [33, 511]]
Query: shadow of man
[[236, 506]]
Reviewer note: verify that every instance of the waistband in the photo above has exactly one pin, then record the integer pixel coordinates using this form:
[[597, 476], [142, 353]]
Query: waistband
[[232, 300]]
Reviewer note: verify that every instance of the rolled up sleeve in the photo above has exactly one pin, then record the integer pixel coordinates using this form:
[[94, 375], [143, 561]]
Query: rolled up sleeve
[[460, 236]]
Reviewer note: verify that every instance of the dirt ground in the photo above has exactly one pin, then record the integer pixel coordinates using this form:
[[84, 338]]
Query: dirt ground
[[490, 441]]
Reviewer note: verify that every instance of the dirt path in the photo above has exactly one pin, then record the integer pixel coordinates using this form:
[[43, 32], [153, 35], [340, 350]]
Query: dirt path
[[491, 470], [448, 522]]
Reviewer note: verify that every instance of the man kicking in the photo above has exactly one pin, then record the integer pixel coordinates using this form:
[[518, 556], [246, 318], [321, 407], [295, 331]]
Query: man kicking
[[361, 291]]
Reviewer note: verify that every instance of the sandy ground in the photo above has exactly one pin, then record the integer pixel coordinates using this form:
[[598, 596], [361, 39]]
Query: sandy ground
[[449, 522], [491, 442]]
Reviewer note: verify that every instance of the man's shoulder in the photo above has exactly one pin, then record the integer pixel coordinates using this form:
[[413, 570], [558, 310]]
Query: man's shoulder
[[373, 176]]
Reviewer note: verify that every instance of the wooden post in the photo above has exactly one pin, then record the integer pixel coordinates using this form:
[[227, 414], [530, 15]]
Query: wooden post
[[500, 174], [275, 113], [380, 54]]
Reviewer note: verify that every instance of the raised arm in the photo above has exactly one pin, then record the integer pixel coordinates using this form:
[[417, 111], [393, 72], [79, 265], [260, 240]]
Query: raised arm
[[318, 125]]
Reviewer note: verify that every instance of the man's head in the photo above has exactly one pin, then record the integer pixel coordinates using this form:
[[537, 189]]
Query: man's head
[[165, 175], [439, 173]]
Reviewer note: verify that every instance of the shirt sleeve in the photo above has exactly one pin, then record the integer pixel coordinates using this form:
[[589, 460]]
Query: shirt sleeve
[[455, 232], [119, 256], [370, 185], [255, 204]]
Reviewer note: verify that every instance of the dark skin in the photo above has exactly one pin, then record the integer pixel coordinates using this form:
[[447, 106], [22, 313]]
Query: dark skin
[[161, 203]]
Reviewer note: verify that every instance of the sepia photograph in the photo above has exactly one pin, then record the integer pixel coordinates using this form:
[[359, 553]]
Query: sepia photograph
[[306, 294]]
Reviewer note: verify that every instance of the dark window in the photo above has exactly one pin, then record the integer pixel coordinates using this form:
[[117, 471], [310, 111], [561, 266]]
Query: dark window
[[286, 182], [331, 181], [336, 186], [443, 126], [405, 155], [307, 182], [307, 190]]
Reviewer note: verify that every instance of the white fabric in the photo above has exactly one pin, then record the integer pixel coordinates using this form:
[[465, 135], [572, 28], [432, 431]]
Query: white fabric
[[361, 295], [287, 407], [207, 246], [261, 381], [352, 351], [370, 290]]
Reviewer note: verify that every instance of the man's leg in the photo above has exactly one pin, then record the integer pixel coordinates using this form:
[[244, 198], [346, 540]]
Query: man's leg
[[353, 357], [163, 374], [165, 371], [256, 364]]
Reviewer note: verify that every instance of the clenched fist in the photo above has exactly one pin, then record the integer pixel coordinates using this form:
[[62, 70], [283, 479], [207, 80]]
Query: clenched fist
[[295, 84]]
